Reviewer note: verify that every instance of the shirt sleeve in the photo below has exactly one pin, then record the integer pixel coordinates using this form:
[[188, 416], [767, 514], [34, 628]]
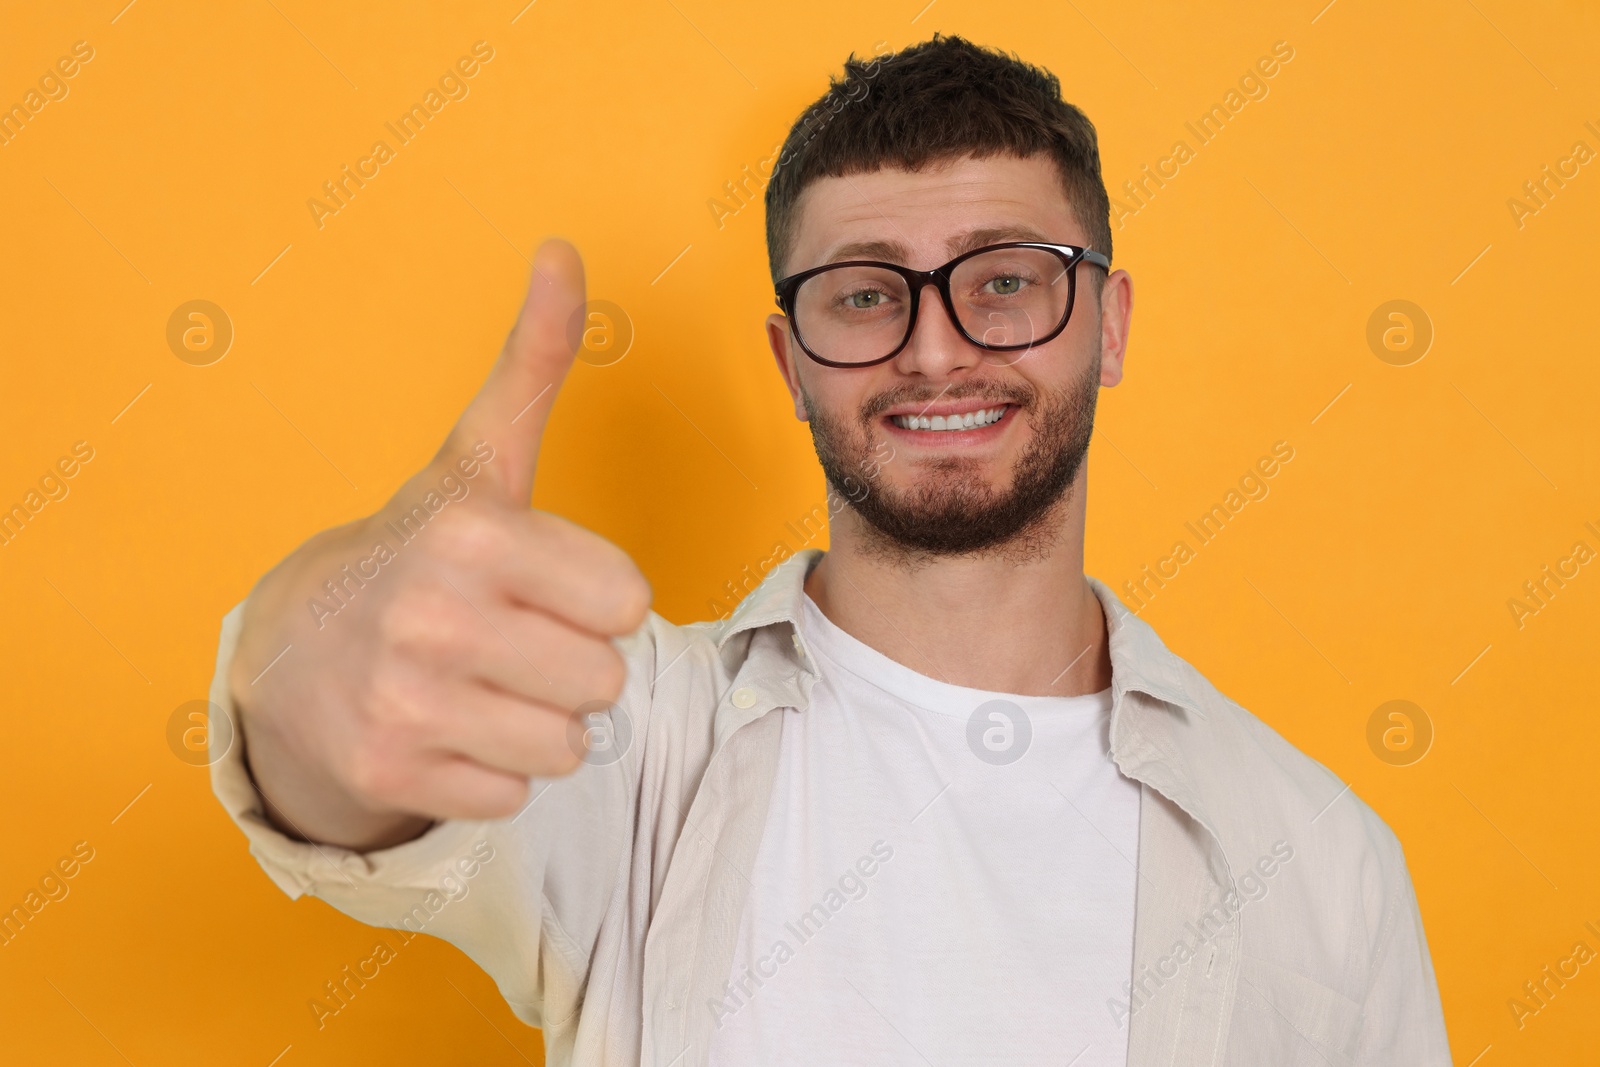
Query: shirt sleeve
[[524, 897], [1402, 1018], [298, 867]]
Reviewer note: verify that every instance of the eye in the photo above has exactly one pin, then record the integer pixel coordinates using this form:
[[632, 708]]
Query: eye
[[1006, 284], [864, 298]]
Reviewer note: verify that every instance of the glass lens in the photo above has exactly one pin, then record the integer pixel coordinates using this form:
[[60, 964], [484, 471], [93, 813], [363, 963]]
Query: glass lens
[[1004, 298], [852, 314], [1011, 296]]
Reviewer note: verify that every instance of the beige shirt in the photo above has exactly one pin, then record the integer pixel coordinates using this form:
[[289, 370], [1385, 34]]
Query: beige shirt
[[1275, 923]]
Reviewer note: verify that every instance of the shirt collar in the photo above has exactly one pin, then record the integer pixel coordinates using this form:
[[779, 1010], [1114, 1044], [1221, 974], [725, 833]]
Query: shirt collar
[[1160, 735], [1139, 660]]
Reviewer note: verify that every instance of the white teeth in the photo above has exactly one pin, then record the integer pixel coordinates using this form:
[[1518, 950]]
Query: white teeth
[[968, 421]]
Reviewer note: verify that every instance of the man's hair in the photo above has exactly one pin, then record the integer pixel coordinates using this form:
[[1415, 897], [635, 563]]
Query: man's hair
[[934, 102]]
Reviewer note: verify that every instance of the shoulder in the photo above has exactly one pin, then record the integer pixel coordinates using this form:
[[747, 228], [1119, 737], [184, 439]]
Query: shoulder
[[1224, 763], [1271, 783], [1330, 909]]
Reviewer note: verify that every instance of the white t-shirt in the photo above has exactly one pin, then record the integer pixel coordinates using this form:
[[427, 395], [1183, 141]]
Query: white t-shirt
[[946, 877]]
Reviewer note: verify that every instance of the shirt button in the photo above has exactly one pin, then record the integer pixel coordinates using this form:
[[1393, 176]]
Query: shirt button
[[744, 697]]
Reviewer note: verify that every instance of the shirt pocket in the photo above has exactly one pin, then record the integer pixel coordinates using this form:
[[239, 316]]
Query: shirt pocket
[[1282, 1018]]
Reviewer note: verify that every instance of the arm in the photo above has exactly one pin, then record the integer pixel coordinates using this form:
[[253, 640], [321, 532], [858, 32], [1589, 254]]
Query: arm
[[525, 898], [1402, 1018], [424, 662]]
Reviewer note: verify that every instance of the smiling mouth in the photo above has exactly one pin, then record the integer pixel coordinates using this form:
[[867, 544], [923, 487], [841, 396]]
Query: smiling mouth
[[971, 420]]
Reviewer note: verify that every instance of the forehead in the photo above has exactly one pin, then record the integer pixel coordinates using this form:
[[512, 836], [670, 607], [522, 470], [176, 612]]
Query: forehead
[[922, 218]]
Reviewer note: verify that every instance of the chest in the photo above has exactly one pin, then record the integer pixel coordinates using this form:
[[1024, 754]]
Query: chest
[[900, 871]]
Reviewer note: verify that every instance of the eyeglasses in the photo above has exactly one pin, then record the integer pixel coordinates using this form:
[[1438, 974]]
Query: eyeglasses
[[1003, 298]]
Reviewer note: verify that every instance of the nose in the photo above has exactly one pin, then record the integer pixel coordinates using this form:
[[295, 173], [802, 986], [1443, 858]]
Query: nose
[[937, 348]]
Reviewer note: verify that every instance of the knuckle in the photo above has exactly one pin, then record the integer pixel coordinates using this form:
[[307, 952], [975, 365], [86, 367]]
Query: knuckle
[[622, 596], [374, 772], [514, 795], [397, 714], [561, 761], [425, 620], [608, 674], [501, 796], [467, 536], [487, 795], [403, 620], [611, 581], [633, 598]]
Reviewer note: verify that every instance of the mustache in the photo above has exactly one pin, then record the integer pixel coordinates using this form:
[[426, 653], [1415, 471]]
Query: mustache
[[1021, 394]]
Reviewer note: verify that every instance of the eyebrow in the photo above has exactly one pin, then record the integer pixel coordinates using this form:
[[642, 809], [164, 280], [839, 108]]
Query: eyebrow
[[895, 252]]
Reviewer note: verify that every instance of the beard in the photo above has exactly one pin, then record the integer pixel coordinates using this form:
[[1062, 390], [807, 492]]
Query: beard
[[949, 511]]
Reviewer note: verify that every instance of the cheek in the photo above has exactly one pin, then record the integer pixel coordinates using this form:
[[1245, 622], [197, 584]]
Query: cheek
[[827, 394], [1076, 354]]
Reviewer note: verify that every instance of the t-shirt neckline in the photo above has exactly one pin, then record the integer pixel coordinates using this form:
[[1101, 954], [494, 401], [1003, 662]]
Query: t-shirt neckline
[[833, 646]]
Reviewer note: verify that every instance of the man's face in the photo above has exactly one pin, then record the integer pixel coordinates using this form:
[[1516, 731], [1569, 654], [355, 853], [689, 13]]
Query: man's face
[[953, 491]]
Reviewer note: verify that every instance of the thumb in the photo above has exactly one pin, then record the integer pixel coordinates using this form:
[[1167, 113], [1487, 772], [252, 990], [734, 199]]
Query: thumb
[[511, 409]]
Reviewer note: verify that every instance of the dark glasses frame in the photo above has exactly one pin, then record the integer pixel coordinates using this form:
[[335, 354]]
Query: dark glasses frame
[[917, 280]]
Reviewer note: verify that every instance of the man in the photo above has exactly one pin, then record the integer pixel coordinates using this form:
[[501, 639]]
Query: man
[[932, 797]]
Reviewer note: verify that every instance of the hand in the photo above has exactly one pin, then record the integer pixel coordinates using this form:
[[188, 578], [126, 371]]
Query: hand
[[438, 648]]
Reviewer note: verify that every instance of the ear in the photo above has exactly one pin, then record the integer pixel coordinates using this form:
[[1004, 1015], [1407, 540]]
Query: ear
[[784, 351], [1116, 308]]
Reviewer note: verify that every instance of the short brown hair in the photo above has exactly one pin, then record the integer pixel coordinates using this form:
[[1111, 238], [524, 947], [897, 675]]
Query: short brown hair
[[930, 102]]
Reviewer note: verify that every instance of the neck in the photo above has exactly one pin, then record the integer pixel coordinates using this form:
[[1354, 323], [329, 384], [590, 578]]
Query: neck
[[1020, 618]]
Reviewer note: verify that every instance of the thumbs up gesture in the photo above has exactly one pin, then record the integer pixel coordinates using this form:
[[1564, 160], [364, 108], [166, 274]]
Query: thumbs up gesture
[[431, 656]]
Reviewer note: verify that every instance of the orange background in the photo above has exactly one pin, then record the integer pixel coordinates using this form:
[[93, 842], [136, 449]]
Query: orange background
[[178, 167]]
